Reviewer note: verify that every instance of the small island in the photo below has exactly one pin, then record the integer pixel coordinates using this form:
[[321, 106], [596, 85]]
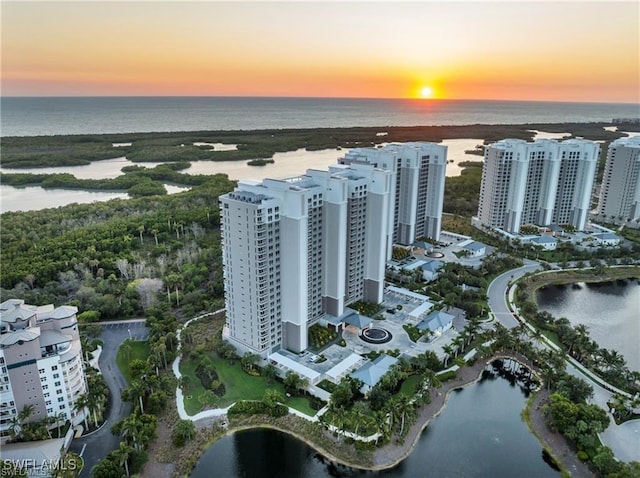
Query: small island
[[260, 162]]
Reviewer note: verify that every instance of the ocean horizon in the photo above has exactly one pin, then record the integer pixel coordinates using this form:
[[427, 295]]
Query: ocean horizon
[[57, 115]]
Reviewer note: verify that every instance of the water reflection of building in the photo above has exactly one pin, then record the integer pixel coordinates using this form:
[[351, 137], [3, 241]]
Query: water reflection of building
[[40, 362]]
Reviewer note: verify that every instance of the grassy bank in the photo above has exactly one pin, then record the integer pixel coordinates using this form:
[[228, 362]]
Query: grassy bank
[[538, 281]]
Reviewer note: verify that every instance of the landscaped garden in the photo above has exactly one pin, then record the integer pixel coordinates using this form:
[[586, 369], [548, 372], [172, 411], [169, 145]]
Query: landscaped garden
[[131, 350], [215, 377]]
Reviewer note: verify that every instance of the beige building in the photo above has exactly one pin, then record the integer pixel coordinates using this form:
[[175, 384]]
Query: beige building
[[40, 362]]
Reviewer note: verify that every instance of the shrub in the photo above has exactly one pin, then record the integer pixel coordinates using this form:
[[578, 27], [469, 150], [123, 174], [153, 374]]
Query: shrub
[[446, 376]]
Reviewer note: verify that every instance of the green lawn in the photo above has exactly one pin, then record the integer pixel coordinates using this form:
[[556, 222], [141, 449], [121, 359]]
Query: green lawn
[[408, 387], [238, 386], [139, 350]]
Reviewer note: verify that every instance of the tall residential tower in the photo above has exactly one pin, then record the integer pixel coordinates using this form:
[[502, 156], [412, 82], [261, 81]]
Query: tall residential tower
[[296, 249], [544, 182], [418, 173], [620, 192]]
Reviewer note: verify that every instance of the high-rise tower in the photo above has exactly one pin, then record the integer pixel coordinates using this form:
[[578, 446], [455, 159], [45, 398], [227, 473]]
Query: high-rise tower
[[544, 182], [620, 192]]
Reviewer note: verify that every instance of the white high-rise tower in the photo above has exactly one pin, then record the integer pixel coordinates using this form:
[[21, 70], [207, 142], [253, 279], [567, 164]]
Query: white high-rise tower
[[620, 192], [298, 248], [544, 182]]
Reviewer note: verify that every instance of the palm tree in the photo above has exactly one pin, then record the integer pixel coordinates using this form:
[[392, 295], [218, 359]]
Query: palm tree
[[431, 379], [14, 427], [129, 429], [60, 417], [270, 372], [448, 350], [381, 419], [405, 405], [126, 349], [26, 412], [458, 344], [123, 454], [358, 414], [138, 389], [80, 405], [94, 403]]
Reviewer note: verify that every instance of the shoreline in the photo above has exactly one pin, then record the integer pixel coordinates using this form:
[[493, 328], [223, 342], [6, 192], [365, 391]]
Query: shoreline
[[392, 454], [571, 276]]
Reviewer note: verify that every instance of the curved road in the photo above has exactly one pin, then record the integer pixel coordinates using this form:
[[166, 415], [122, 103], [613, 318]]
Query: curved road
[[497, 293], [95, 446]]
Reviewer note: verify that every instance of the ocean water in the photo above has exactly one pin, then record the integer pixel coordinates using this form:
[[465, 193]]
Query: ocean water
[[94, 115]]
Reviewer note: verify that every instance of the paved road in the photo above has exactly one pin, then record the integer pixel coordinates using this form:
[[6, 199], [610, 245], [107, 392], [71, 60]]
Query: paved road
[[101, 442], [497, 290]]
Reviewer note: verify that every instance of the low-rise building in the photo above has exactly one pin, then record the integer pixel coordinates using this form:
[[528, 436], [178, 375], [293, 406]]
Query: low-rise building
[[431, 270], [371, 372], [547, 243], [475, 249], [437, 322]]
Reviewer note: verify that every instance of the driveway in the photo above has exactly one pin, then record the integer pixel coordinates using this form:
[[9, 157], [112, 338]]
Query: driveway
[[95, 446]]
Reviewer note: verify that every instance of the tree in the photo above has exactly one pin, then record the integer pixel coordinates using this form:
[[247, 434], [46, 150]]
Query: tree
[[80, 406], [449, 351], [574, 388], [25, 413], [137, 390], [123, 453], [184, 431], [358, 414], [15, 427], [248, 362], [270, 372], [292, 382], [342, 395], [272, 397], [60, 417], [130, 428], [107, 468], [69, 466]]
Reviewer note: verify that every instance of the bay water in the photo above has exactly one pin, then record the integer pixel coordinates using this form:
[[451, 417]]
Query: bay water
[[33, 116]]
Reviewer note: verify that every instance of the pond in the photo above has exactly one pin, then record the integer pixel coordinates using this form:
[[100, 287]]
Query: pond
[[610, 310], [479, 434]]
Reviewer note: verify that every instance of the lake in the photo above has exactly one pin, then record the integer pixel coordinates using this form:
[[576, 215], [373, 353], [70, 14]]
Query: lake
[[610, 310], [479, 434]]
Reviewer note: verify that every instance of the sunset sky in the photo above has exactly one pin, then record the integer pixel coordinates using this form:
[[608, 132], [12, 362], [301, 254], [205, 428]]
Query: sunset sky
[[558, 51]]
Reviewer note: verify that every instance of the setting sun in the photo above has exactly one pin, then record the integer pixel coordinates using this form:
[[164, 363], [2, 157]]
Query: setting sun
[[426, 92]]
